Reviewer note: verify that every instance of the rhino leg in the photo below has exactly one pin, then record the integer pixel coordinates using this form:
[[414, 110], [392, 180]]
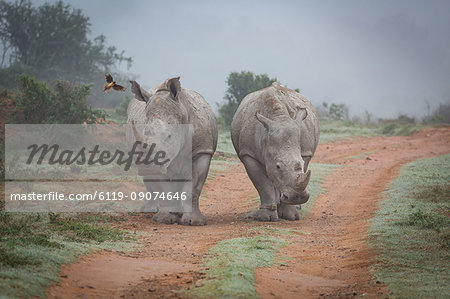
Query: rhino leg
[[165, 217], [288, 212], [266, 190], [200, 168]]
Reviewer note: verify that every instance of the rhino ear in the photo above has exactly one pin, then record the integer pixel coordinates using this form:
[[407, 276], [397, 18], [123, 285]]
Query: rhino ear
[[302, 113], [292, 112], [174, 86], [267, 122], [139, 92], [299, 114]]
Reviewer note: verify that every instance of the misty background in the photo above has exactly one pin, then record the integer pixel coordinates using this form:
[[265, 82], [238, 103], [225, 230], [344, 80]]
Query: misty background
[[386, 57]]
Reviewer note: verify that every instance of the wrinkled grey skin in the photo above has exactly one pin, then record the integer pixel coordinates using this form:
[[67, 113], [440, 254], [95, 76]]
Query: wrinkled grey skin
[[275, 132], [169, 103]]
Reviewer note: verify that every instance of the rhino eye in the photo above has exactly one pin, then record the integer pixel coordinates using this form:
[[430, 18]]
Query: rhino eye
[[278, 166]]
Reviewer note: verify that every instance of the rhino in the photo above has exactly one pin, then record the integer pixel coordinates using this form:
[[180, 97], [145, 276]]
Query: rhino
[[275, 132], [170, 104]]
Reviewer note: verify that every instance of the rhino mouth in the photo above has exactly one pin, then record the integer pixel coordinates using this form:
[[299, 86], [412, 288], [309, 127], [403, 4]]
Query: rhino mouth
[[295, 199]]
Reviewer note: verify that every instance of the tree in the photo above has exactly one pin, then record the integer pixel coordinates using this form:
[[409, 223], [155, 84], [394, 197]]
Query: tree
[[338, 111], [333, 111], [240, 85], [51, 42]]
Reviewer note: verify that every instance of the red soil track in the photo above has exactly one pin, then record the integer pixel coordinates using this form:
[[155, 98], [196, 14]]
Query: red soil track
[[331, 258]]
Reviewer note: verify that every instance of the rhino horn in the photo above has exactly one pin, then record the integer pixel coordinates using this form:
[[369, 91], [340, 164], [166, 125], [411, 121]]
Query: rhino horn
[[301, 113], [303, 179]]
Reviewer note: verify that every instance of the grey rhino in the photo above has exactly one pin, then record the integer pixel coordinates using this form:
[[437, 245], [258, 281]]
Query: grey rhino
[[275, 132], [169, 103]]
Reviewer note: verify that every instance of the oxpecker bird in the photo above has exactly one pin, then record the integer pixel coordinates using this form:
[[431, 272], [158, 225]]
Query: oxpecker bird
[[111, 83]]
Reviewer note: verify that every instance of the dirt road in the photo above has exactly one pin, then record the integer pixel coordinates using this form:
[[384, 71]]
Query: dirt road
[[330, 259]]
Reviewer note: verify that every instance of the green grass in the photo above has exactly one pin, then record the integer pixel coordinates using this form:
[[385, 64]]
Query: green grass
[[277, 230], [399, 129], [331, 131], [74, 230], [411, 231], [219, 165], [230, 270], [224, 143], [34, 246]]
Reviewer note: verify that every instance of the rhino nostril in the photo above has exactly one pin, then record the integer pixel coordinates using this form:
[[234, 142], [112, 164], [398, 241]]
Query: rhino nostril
[[298, 166]]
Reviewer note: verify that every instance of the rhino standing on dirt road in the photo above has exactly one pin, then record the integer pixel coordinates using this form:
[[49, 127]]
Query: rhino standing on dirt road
[[275, 132], [170, 104]]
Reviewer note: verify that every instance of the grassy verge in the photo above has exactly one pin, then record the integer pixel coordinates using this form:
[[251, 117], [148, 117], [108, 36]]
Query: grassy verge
[[336, 130], [269, 229], [226, 158], [224, 143], [230, 270], [34, 246], [219, 165], [411, 231]]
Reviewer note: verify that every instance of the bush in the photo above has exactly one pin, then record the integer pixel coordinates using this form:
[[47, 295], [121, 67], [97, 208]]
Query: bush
[[121, 110], [405, 119], [440, 115], [427, 220], [389, 129], [398, 129], [38, 104]]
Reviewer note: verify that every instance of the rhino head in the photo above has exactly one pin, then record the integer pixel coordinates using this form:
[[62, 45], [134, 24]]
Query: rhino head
[[163, 113], [281, 150]]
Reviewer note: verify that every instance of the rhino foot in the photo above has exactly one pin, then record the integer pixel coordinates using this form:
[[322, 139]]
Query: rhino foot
[[194, 218], [288, 212], [266, 215], [165, 217]]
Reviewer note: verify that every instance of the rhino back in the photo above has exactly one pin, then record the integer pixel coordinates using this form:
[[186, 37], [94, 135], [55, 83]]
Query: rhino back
[[246, 131], [201, 117], [204, 121]]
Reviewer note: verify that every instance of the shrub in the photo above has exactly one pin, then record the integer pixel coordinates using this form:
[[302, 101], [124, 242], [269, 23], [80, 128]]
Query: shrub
[[389, 129], [38, 104], [405, 119], [440, 115], [427, 220], [122, 108]]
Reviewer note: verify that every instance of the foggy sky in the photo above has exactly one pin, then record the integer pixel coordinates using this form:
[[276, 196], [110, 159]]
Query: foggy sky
[[384, 56]]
